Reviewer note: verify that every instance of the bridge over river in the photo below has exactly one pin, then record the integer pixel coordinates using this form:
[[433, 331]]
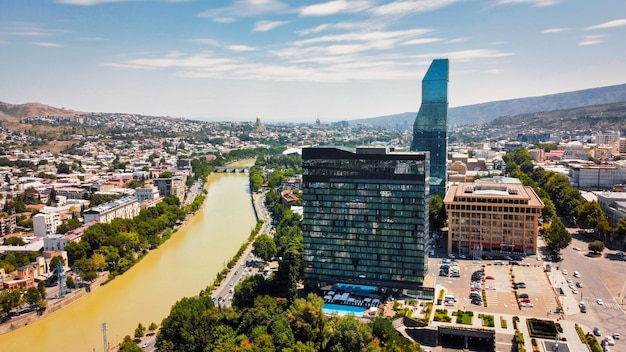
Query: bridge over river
[[231, 169]]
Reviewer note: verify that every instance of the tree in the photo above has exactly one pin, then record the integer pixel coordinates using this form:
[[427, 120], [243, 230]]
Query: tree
[[63, 168], [55, 261], [87, 269], [596, 247], [620, 231], [41, 287], [264, 247], [69, 281], [153, 326], [556, 236], [436, 212], [32, 296], [128, 345], [9, 299], [165, 174], [589, 215], [140, 330], [14, 241]]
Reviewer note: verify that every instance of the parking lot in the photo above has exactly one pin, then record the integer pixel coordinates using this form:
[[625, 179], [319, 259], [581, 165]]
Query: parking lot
[[498, 288]]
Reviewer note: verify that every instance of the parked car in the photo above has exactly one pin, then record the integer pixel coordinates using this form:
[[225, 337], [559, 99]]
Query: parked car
[[579, 284], [576, 274], [527, 305], [523, 295], [600, 302], [596, 331], [609, 340]]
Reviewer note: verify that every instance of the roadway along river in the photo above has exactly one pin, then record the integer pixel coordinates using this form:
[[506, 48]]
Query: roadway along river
[[182, 267]]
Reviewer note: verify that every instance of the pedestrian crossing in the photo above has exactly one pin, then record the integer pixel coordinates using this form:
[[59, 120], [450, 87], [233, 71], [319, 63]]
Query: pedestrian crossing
[[607, 303]]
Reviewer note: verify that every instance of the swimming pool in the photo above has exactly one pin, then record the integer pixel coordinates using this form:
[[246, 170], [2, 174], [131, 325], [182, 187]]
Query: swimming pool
[[337, 309], [355, 288]]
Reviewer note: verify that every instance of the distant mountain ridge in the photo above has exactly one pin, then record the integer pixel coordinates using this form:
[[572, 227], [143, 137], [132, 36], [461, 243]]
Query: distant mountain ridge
[[27, 110], [484, 112]]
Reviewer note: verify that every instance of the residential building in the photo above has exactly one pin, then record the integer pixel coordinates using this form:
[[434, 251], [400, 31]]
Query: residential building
[[126, 208], [46, 223], [148, 192], [7, 224], [171, 186], [365, 217], [603, 138], [430, 129], [494, 216]]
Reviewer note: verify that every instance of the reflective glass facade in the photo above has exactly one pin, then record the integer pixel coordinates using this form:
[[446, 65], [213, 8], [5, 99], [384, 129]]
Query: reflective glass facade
[[365, 217], [430, 127]]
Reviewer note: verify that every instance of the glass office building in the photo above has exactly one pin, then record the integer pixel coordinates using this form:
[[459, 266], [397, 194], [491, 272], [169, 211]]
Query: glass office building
[[365, 217], [430, 127]]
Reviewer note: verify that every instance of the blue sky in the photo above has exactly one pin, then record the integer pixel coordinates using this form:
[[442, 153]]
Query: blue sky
[[295, 60]]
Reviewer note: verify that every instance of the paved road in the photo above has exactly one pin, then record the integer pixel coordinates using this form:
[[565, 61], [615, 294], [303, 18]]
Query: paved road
[[602, 277], [223, 294]]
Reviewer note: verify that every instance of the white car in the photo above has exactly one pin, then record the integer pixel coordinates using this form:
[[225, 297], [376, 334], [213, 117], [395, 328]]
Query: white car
[[609, 340], [451, 256], [490, 288], [564, 272], [576, 274], [599, 302], [527, 305], [575, 291]]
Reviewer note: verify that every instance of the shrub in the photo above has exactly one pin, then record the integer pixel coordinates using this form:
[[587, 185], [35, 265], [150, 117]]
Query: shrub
[[503, 323]]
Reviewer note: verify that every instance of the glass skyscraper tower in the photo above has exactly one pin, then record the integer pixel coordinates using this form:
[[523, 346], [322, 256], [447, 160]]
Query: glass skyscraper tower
[[365, 217], [430, 127]]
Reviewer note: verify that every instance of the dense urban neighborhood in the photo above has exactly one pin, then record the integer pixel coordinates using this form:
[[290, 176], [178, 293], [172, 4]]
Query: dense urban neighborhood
[[528, 222]]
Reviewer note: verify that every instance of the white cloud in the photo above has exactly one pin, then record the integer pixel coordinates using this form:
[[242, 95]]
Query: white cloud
[[554, 30], [536, 3], [317, 29], [592, 40], [366, 36], [610, 24], [236, 47], [335, 7], [246, 8], [420, 41], [265, 26], [457, 40], [48, 45], [207, 41], [224, 19], [411, 6]]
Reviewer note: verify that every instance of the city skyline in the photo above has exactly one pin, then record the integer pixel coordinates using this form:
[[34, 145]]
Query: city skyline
[[287, 61]]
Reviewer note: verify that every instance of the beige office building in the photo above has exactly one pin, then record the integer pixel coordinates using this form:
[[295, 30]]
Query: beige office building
[[495, 216]]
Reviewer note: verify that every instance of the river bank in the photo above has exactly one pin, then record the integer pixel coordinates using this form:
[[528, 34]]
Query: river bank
[[181, 267]]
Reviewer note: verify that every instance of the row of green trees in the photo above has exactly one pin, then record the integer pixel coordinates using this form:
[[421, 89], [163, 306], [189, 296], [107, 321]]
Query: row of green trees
[[117, 246], [273, 324], [559, 196], [16, 298]]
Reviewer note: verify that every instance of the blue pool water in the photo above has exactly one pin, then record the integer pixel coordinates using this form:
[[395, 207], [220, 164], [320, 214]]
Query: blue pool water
[[356, 288], [338, 309]]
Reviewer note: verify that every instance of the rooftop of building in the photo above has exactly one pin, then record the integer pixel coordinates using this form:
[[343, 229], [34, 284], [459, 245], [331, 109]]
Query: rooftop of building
[[492, 190]]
